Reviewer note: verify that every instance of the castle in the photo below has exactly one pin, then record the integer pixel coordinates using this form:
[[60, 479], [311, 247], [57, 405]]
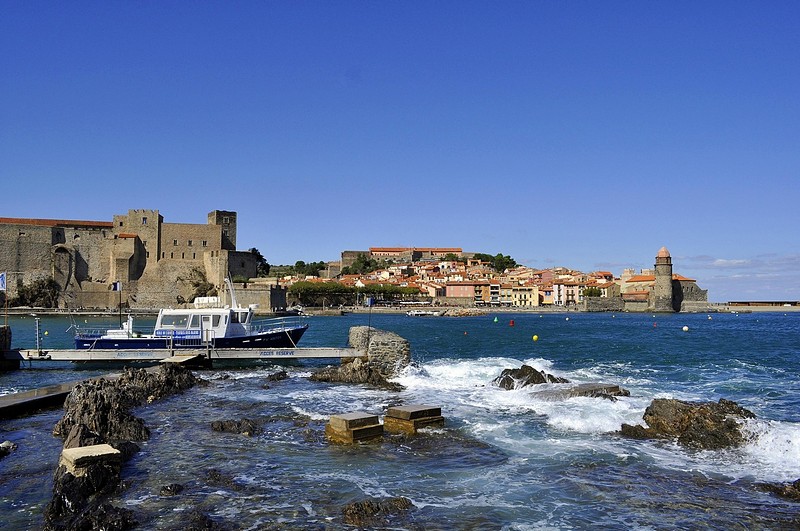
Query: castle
[[158, 264]]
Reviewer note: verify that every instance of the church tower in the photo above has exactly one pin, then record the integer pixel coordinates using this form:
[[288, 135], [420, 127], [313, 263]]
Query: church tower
[[662, 292]]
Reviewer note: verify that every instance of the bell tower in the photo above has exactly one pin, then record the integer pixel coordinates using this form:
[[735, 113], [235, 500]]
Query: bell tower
[[662, 291]]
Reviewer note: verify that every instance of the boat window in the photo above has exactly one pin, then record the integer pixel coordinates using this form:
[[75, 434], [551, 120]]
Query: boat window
[[234, 317], [215, 321], [243, 317], [175, 321], [195, 322]]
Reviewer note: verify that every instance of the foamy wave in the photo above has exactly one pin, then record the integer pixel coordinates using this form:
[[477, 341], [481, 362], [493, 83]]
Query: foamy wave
[[775, 448]]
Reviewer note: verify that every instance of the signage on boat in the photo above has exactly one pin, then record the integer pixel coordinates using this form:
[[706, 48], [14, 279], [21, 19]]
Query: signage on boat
[[178, 334]]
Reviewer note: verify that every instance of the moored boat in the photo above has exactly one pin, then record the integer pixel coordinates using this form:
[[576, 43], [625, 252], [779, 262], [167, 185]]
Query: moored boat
[[200, 327]]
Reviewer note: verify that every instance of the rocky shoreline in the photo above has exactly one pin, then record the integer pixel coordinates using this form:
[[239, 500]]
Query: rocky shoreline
[[99, 412]]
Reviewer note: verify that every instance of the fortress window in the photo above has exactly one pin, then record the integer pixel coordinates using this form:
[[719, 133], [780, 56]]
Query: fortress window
[[205, 243], [163, 255], [190, 243], [144, 220], [175, 242], [172, 255], [120, 223], [147, 254], [194, 256], [183, 255], [225, 220]]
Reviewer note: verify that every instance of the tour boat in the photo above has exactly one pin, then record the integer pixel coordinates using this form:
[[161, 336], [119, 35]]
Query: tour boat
[[423, 313], [200, 327]]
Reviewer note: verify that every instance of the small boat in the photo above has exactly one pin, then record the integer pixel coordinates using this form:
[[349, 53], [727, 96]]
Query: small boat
[[200, 327], [423, 313]]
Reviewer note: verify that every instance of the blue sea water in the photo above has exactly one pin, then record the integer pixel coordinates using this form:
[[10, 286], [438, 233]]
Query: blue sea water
[[505, 459]]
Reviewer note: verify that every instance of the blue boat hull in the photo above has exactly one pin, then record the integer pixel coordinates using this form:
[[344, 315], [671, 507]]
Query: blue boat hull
[[281, 339]]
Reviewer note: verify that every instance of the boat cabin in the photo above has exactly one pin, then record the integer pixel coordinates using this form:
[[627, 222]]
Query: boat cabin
[[205, 324]]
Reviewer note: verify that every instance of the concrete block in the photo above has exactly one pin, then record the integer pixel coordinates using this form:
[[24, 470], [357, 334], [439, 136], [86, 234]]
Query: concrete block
[[350, 428], [409, 419], [349, 421], [413, 411], [76, 460]]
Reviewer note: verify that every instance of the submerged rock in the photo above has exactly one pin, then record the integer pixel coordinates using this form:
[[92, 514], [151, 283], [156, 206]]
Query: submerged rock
[[376, 511], [702, 425], [243, 427], [523, 377], [173, 489], [387, 354], [6, 447], [790, 491]]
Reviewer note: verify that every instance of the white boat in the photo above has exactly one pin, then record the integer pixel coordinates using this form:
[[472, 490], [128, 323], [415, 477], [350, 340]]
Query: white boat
[[423, 313]]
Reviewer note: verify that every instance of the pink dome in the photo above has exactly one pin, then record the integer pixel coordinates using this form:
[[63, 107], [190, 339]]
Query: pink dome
[[663, 253]]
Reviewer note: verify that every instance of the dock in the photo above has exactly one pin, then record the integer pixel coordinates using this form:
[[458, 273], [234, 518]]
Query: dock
[[19, 404], [207, 353]]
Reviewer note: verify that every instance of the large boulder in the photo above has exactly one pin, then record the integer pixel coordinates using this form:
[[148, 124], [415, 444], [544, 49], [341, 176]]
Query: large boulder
[[386, 355], [523, 377], [702, 425], [387, 352]]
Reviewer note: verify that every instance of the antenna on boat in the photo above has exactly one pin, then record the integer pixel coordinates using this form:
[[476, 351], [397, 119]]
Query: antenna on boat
[[229, 284]]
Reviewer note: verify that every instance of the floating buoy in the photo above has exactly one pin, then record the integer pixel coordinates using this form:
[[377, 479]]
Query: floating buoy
[[465, 332], [655, 325], [511, 322], [709, 317], [535, 337], [685, 328], [495, 319], [567, 319]]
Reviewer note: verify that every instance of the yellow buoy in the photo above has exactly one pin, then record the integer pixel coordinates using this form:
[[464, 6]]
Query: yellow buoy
[[535, 338], [46, 333]]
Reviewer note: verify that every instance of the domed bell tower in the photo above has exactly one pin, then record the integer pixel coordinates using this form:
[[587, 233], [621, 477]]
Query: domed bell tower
[[662, 292]]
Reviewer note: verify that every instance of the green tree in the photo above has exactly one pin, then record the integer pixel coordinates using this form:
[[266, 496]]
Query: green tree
[[262, 267], [498, 262], [41, 293], [592, 292]]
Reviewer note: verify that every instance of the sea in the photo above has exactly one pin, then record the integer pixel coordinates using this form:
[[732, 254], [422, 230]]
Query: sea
[[505, 460]]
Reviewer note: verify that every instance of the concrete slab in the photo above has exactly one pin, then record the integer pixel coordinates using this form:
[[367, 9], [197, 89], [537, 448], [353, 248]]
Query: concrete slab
[[361, 434], [411, 426], [78, 459], [413, 411], [349, 421]]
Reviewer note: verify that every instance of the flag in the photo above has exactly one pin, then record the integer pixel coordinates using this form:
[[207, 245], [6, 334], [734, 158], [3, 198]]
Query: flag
[[116, 286], [2, 281]]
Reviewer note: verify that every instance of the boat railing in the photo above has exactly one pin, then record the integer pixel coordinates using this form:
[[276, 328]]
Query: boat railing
[[276, 324]]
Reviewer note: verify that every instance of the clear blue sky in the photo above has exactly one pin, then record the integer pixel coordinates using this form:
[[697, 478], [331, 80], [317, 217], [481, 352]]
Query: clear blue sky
[[583, 134]]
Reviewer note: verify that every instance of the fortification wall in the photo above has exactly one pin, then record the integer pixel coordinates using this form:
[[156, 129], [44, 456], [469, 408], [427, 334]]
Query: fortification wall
[[603, 304]]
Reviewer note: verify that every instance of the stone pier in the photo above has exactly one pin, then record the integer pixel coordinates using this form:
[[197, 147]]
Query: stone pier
[[350, 428], [409, 419]]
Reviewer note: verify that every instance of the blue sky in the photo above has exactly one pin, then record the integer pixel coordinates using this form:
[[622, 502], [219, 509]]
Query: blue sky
[[580, 134]]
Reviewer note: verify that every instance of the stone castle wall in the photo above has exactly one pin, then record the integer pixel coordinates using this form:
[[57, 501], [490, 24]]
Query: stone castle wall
[[603, 304], [158, 263]]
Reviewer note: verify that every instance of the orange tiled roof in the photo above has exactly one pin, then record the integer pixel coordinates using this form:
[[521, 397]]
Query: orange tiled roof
[[642, 278], [56, 222]]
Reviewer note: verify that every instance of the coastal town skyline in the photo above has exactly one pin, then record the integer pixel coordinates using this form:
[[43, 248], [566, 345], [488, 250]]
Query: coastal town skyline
[[576, 135]]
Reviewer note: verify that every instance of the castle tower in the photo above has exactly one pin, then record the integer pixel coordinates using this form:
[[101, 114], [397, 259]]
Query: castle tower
[[227, 220], [662, 291]]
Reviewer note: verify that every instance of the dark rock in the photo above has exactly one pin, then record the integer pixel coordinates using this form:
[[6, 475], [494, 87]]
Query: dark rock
[[79, 435], [703, 425], [127, 448], [243, 427], [375, 511], [171, 490], [356, 371], [72, 495], [277, 376], [104, 516], [790, 491], [195, 520], [103, 406], [525, 376], [215, 477], [6, 447]]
